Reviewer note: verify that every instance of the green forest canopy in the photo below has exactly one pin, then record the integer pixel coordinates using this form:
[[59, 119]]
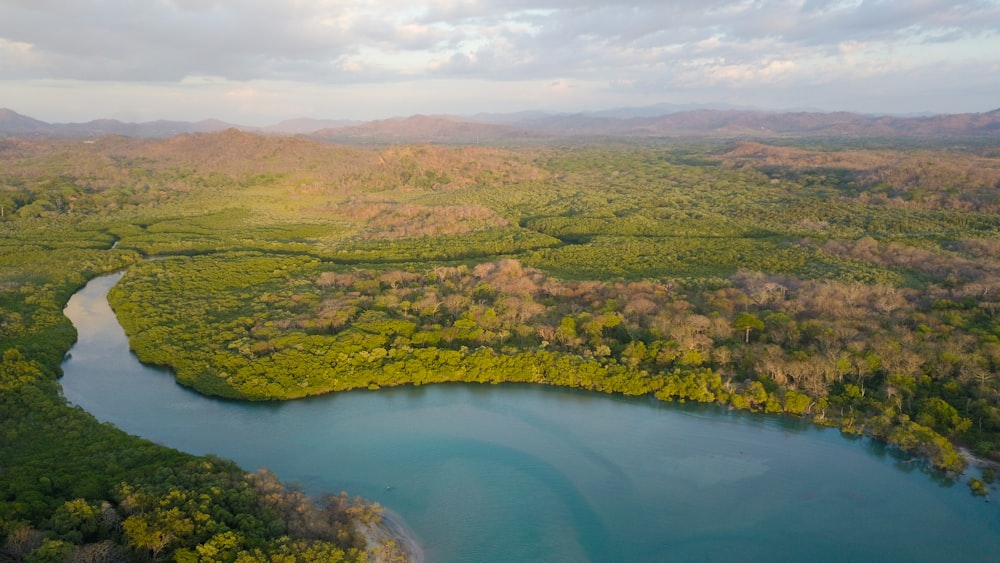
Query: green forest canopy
[[858, 288]]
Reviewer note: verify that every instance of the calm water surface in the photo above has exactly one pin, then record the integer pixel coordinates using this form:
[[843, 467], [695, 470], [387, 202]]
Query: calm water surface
[[520, 473]]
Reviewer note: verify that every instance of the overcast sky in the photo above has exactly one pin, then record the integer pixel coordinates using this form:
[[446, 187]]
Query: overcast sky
[[257, 62]]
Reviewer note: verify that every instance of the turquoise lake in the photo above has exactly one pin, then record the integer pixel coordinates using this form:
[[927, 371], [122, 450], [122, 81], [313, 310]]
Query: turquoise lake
[[525, 473]]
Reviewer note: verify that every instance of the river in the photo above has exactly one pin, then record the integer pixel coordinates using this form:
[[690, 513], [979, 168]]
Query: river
[[527, 473]]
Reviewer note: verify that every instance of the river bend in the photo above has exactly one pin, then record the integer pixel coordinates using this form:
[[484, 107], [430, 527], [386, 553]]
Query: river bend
[[523, 473]]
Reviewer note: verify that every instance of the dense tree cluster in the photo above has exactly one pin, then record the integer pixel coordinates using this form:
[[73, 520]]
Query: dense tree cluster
[[927, 179], [76, 490], [72, 489], [843, 353]]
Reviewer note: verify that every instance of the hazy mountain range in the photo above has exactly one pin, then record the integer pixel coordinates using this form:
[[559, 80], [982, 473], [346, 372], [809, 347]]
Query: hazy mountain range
[[654, 121]]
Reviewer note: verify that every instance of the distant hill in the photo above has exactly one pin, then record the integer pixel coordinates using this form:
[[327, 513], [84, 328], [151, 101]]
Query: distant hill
[[305, 125], [743, 123], [732, 122], [154, 129], [425, 129], [14, 123], [529, 127]]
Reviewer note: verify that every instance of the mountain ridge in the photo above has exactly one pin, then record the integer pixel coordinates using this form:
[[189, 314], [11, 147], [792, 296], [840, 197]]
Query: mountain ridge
[[538, 126]]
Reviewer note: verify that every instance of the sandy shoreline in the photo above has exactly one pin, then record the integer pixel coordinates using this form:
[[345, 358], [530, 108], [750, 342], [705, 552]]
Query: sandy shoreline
[[391, 540], [972, 461]]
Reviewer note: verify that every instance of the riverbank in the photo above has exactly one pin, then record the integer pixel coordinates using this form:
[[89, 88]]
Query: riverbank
[[461, 456], [972, 461], [390, 541]]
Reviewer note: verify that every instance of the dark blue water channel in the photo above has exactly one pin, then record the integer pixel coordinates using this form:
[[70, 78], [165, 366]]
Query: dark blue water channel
[[523, 473]]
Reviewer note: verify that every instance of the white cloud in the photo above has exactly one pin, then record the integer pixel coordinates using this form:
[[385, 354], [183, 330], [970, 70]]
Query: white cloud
[[661, 49], [16, 56]]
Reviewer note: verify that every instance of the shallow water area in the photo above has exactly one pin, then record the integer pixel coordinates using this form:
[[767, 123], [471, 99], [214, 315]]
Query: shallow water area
[[525, 473]]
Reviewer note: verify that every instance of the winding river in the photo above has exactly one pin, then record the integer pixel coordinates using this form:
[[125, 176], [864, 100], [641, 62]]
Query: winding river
[[525, 473]]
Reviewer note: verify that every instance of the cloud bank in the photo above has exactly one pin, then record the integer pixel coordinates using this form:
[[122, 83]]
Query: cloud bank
[[894, 54]]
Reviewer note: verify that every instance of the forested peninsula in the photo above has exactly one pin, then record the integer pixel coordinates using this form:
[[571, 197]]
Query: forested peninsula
[[857, 287]]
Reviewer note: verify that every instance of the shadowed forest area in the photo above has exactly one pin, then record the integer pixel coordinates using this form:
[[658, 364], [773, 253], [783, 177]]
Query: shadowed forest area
[[856, 287]]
